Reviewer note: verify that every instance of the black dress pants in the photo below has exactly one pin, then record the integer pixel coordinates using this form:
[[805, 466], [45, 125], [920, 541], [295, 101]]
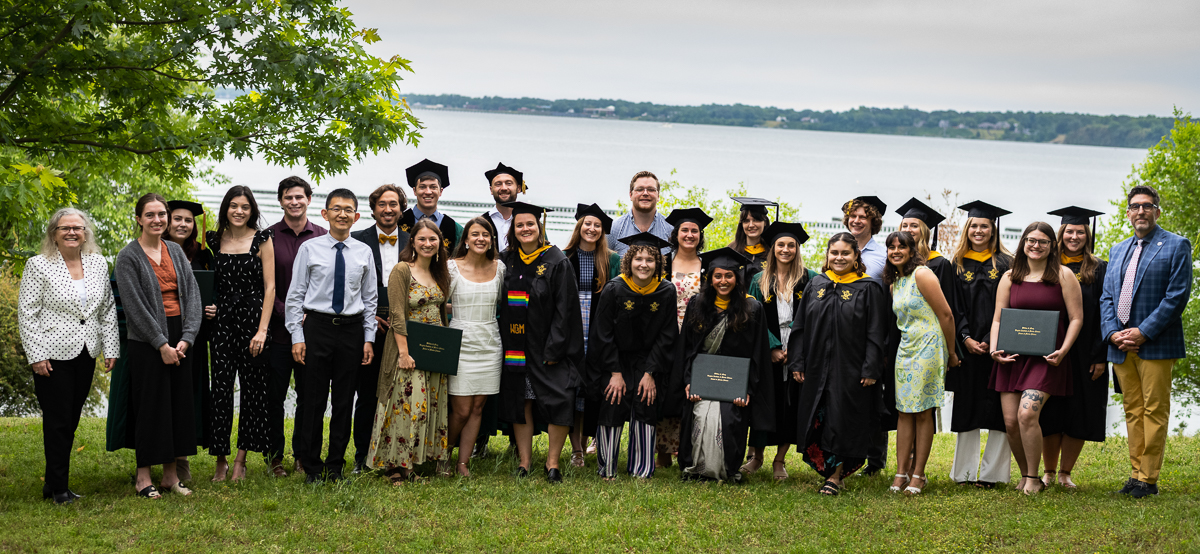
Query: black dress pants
[[364, 404], [161, 404], [281, 371], [61, 396], [334, 350]]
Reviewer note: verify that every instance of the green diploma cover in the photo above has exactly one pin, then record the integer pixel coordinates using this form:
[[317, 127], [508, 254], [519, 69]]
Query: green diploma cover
[[433, 347], [1027, 332], [206, 280], [720, 378]]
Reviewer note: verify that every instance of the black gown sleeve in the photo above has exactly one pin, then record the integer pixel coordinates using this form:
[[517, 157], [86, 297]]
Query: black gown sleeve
[[658, 363], [795, 346], [762, 386], [1099, 346], [564, 293], [602, 357], [876, 332]]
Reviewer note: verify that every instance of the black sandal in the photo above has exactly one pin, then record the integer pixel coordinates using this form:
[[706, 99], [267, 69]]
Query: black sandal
[[986, 484], [150, 492], [1041, 484], [1067, 486], [829, 489]]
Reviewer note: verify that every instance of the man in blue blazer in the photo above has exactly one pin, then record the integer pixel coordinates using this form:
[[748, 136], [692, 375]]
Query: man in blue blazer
[[1148, 284]]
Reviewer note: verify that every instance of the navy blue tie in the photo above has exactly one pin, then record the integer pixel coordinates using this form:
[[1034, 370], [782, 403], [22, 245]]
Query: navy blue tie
[[339, 279]]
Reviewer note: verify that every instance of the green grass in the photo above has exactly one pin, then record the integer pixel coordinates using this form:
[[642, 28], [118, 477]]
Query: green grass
[[494, 511]]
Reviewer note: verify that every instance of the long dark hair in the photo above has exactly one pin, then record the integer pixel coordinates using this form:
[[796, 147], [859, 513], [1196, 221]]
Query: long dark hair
[[463, 249], [146, 199], [189, 244], [223, 215], [891, 273], [859, 266], [739, 236], [738, 310], [437, 266], [675, 239], [1087, 269], [1020, 265], [514, 244]]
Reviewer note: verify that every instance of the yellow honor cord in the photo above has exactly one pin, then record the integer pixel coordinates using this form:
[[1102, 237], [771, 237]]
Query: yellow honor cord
[[529, 258], [649, 288], [844, 279]]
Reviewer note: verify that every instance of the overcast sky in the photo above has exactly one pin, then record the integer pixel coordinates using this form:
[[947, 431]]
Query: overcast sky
[[1093, 56]]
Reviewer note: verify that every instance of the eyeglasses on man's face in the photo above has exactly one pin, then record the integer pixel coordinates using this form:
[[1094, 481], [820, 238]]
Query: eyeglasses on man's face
[[348, 210], [1144, 207]]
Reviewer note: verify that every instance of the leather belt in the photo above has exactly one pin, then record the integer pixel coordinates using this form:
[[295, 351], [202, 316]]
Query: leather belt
[[336, 319]]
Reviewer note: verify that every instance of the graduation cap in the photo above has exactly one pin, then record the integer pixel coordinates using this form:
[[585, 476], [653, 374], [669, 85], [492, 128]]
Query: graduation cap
[[197, 211], [428, 169], [1074, 215], [781, 229], [502, 169], [984, 210], [872, 200], [524, 208], [917, 209], [756, 205], [684, 215], [724, 258], [593, 210], [645, 239]]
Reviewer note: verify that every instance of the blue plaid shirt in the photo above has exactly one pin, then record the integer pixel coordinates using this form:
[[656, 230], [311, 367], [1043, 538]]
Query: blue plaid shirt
[[624, 227]]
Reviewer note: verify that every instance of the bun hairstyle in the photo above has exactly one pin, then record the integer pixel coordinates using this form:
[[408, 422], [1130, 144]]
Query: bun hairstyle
[[461, 251], [859, 267]]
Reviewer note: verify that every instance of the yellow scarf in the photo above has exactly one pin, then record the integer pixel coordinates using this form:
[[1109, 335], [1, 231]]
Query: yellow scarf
[[934, 254], [1065, 259], [649, 288], [755, 250], [844, 279], [978, 256], [529, 258], [723, 304]]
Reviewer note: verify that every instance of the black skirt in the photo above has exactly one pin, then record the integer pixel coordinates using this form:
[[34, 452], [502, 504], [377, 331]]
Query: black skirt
[[161, 414]]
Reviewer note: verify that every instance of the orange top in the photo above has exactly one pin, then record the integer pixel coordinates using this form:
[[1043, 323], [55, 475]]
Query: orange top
[[167, 282]]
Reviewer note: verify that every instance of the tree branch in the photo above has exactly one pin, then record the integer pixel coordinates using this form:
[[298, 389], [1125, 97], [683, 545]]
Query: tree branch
[[133, 68], [11, 90]]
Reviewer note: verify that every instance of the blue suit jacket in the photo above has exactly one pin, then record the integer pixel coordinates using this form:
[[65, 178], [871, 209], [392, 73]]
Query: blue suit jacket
[[1161, 288]]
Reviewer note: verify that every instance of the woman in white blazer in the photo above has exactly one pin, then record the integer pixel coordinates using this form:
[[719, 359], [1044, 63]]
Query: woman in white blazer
[[67, 319]]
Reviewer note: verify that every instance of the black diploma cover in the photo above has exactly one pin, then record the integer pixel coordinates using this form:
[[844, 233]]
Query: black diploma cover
[[433, 347], [206, 280], [720, 378], [1027, 332]]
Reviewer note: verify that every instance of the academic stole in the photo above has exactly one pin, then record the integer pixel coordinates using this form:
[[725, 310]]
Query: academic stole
[[518, 317]]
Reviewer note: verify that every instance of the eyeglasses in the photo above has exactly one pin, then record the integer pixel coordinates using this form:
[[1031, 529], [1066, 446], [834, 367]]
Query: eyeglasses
[[70, 229], [339, 210], [1037, 242], [1143, 207], [643, 190]]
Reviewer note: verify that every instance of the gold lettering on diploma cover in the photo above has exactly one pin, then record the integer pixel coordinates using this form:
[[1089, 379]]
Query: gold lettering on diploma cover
[[430, 347], [719, 377], [1028, 331], [516, 328]]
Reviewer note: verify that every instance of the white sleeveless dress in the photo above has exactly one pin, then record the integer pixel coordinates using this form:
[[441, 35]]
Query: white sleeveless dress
[[475, 313]]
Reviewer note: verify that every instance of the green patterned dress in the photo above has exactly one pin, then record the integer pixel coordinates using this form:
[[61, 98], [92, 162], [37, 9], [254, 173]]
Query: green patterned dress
[[921, 359]]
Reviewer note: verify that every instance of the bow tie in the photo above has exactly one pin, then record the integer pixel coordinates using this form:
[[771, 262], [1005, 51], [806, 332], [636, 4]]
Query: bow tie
[[390, 239]]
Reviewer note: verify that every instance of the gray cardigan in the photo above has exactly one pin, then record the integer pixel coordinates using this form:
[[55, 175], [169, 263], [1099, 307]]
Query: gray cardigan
[[141, 297]]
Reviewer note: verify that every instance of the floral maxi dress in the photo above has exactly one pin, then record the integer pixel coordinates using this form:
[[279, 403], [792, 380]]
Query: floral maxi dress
[[921, 359], [412, 420]]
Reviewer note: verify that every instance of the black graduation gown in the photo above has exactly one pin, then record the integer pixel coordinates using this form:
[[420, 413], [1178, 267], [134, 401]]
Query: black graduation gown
[[748, 342], [787, 390], [633, 334], [760, 263], [1082, 415], [201, 392], [838, 337], [553, 332], [975, 405], [450, 230]]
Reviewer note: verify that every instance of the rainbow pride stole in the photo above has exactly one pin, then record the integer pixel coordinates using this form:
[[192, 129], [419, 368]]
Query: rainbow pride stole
[[518, 298]]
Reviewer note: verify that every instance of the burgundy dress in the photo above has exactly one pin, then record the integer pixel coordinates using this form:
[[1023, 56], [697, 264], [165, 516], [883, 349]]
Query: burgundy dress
[[1034, 372]]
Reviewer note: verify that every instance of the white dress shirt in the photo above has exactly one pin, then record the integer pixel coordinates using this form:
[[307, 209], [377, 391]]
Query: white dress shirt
[[502, 226], [312, 284], [389, 255]]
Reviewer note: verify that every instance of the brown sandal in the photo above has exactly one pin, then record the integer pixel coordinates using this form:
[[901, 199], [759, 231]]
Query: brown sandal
[[780, 470]]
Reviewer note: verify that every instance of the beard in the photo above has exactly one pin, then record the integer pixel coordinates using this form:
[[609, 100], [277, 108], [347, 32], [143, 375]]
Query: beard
[[500, 200]]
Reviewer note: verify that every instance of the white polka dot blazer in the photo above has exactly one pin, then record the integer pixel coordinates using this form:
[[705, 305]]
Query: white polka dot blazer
[[53, 325]]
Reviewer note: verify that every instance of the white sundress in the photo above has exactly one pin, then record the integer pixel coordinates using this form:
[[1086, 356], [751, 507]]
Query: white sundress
[[474, 313]]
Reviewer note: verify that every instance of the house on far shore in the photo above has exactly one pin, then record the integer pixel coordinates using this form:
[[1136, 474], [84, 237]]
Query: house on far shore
[[610, 111]]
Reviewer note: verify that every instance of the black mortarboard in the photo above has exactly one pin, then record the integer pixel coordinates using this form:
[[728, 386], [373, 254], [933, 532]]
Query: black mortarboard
[[874, 201], [781, 229], [695, 215], [194, 207], [982, 209], [504, 169], [426, 168], [756, 205], [724, 258], [917, 209], [645, 239], [594, 211], [1074, 215], [523, 208]]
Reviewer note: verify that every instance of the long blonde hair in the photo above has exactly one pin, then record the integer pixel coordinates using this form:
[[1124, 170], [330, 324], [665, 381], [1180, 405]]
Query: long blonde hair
[[601, 253], [964, 243], [49, 248], [772, 286], [922, 240]]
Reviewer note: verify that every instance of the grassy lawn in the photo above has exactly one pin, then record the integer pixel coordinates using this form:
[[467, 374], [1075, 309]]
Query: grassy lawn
[[494, 511]]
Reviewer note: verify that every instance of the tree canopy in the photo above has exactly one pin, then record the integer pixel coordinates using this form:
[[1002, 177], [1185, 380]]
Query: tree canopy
[[95, 95]]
